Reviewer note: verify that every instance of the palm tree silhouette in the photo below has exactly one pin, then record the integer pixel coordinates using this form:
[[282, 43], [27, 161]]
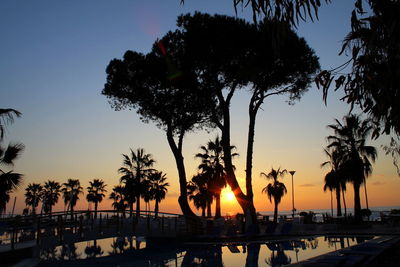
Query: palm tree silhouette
[[71, 191], [118, 197], [135, 169], [350, 139], [33, 195], [275, 189], [7, 117], [200, 194], [9, 180], [158, 189], [51, 193], [96, 194], [334, 179], [212, 167]]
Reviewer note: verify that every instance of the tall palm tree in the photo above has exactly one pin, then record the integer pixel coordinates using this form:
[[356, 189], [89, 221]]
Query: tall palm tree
[[96, 194], [275, 189], [212, 166], [71, 191], [350, 139], [334, 179], [33, 195], [159, 188], [118, 197], [199, 193], [51, 193], [135, 169]]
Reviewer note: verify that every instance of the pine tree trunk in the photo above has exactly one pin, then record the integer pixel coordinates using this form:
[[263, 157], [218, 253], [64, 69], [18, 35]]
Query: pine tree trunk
[[247, 205], [177, 152]]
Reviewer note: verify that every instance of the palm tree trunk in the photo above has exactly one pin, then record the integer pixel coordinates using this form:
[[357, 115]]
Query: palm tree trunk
[[357, 202], [156, 209], [203, 212], [331, 203], [72, 212], [339, 207], [344, 203], [275, 212], [95, 209], [366, 196], [137, 207], [218, 203], [208, 208]]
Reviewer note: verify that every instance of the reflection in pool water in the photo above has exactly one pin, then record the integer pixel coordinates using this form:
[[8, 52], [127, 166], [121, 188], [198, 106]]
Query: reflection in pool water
[[137, 252]]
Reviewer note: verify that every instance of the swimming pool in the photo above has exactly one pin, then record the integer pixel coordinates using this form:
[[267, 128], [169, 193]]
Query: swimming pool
[[136, 251]]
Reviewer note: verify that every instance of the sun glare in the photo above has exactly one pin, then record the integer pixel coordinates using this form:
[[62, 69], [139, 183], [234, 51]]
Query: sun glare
[[228, 196]]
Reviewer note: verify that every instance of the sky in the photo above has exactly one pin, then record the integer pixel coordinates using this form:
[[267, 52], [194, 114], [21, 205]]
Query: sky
[[53, 56]]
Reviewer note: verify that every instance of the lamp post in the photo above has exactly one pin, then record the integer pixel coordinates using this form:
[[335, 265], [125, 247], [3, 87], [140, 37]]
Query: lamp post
[[293, 209]]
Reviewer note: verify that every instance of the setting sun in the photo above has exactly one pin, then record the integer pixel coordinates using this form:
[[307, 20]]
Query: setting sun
[[227, 195]]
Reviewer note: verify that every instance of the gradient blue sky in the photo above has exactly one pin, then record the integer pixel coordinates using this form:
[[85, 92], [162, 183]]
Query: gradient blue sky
[[53, 56]]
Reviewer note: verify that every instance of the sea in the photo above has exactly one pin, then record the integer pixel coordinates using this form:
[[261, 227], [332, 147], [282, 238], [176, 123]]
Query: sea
[[376, 212]]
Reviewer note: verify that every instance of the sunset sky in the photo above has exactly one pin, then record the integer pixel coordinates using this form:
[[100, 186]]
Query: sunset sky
[[53, 56]]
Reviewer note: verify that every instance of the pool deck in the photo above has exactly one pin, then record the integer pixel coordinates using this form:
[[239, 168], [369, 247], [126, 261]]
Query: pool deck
[[364, 254]]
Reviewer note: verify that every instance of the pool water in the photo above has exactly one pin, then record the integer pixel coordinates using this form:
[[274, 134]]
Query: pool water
[[135, 251]]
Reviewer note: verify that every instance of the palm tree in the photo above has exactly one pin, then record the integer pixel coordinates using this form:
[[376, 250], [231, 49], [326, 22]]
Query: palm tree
[[71, 191], [334, 179], [159, 188], [96, 194], [7, 117], [9, 180], [330, 185], [51, 193], [147, 193], [118, 197], [33, 195], [350, 139], [200, 194], [212, 166], [275, 189], [135, 169]]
